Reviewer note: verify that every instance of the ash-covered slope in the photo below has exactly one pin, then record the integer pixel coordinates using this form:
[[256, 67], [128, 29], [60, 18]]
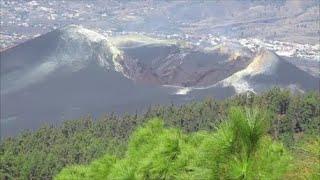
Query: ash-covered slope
[[74, 71], [65, 74], [267, 70], [70, 49]]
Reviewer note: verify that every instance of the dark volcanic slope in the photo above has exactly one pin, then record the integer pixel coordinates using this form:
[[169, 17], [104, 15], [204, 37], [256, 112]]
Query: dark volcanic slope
[[29, 52], [66, 74], [267, 70], [285, 74], [74, 71], [64, 95]]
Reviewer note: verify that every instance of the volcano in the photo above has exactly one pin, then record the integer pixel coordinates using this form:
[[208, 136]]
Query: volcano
[[73, 71], [65, 74]]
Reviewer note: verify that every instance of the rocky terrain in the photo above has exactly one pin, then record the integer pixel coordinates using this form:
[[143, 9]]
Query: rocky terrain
[[181, 66]]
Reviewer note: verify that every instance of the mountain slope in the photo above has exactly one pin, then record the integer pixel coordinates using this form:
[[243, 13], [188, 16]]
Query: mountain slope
[[71, 48], [267, 69], [66, 74], [74, 71]]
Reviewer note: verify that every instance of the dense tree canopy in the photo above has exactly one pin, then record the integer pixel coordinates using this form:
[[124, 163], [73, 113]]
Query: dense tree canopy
[[239, 149]]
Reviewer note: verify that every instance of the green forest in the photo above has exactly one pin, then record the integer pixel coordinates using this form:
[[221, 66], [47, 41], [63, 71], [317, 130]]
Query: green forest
[[273, 135]]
